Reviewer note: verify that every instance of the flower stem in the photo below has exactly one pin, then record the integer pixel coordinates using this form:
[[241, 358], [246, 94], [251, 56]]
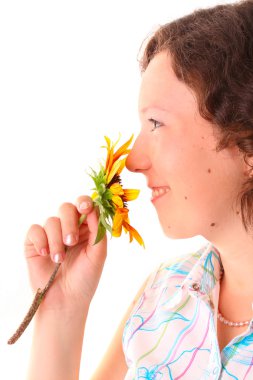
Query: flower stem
[[40, 294]]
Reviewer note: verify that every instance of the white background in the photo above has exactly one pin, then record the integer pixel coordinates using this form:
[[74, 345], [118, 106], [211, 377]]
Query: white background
[[68, 76]]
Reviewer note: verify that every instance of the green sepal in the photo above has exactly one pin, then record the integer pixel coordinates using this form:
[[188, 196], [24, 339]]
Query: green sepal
[[104, 202], [100, 180], [104, 222], [100, 234], [81, 219]]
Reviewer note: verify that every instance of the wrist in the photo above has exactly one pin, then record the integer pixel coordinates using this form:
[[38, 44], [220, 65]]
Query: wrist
[[57, 340], [65, 313], [65, 306]]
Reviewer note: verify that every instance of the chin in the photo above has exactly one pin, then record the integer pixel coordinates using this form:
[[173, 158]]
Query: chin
[[177, 232]]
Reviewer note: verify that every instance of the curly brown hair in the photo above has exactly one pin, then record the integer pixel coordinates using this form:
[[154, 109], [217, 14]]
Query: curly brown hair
[[212, 52]]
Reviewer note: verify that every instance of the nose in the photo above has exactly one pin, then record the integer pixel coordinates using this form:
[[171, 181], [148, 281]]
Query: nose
[[138, 159]]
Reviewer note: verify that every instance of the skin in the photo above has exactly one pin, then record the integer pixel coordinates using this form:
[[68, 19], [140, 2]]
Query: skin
[[181, 154], [59, 323], [202, 184]]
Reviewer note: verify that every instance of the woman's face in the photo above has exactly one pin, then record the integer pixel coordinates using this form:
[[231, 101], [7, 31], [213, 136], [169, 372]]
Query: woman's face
[[193, 187]]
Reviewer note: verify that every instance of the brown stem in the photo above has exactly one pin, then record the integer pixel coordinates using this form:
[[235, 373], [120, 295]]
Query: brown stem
[[40, 294]]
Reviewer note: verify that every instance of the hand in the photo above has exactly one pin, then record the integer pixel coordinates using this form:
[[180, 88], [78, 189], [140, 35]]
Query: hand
[[82, 265]]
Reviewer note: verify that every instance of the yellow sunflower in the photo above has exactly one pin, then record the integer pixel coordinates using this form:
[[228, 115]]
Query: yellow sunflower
[[109, 195]]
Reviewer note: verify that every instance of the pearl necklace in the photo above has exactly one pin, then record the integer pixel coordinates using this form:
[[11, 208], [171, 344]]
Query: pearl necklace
[[230, 323], [224, 320]]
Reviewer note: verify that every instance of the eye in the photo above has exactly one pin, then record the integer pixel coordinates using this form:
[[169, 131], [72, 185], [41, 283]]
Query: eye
[[156, 124]]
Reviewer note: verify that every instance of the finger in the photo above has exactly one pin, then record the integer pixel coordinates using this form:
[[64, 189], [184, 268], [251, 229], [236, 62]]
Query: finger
[[36, 242], [54, 236], [69, 223], [84, 204]]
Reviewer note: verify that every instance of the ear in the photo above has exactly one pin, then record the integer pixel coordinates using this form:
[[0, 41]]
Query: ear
[[248, 166], [244, 162]]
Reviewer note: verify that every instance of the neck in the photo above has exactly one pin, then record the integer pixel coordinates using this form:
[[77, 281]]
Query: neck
[[235, 247], [236, 251]]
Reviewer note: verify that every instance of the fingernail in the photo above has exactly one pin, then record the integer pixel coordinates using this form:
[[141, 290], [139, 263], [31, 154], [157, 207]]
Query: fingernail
[[84, 205], [70, 239], [44, 252], [57, 258]]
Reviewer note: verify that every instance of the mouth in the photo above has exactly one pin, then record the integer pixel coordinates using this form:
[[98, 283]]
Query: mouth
[[158, 192]]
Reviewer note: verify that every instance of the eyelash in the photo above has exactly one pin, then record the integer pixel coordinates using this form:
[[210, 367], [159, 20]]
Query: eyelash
[[156, 124]]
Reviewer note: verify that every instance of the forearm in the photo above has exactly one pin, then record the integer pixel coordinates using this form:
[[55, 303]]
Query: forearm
[[57, 345]]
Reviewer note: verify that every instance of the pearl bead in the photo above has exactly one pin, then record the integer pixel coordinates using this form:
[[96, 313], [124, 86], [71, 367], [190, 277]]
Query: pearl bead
[[230, 323]]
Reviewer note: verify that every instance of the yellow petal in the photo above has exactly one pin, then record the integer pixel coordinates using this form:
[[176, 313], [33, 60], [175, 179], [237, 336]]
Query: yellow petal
[[122, 165], [117, 200], [133, 234], [114, 170], [117, 224], [123, 212], [131, 194], [109, 158], [116, 143], [113, 157], [109, 161], [123, 149], [108, 141], [116, 189], [94, 195]]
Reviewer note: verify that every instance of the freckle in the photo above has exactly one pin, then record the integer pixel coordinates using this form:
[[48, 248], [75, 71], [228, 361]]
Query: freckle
[[169, 227], [209, 170], [185, 197], [213, 224], [238, 212], [203, 138]]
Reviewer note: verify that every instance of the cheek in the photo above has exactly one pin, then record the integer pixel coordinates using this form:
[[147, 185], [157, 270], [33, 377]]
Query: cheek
[[184, 168], [194, 176], [192, 167]]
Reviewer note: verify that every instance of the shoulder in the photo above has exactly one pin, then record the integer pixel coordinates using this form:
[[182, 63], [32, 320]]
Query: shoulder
[[175, 270], [165, 282]]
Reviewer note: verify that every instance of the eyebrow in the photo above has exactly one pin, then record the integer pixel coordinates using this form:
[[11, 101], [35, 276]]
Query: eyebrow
[[145, 109]]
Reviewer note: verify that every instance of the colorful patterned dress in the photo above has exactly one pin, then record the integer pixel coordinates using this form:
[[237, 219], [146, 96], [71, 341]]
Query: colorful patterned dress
[[171, 333]]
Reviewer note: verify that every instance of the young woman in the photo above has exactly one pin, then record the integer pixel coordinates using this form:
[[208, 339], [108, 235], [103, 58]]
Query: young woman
[[192, 318]]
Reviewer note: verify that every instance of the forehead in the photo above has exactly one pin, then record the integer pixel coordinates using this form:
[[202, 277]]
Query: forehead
[[161, 88]]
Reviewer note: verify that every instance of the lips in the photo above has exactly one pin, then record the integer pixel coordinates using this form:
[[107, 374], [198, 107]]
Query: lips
[[158, 192]]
